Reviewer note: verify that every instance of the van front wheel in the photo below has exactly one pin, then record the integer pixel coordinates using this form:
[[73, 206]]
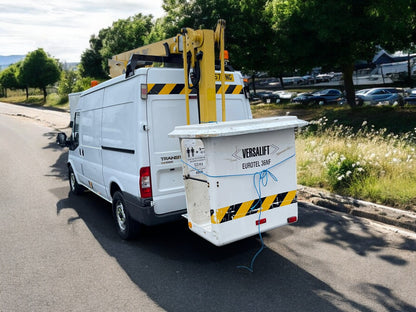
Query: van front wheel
[[73, 184], [127, 228]]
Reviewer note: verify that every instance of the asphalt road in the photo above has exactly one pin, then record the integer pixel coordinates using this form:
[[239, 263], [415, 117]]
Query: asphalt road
[[62, 253]]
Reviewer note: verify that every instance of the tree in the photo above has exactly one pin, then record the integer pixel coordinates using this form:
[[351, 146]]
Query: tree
[[38, 70], [91, 64], [337, 33], [82, 84], [123, 35], [248, 34], [8, 78], [178, 15], [157, 32], [126, 34], [67, 82]]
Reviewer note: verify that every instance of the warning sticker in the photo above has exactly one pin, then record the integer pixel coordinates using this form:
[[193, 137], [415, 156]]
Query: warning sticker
[[228, 77], [194, 151]]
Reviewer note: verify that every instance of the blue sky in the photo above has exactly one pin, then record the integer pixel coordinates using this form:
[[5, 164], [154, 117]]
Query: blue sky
[[62, 27]]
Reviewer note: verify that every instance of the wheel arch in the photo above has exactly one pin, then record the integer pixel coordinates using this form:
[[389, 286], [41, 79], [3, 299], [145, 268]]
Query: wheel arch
[[114, 187], [69, 164]]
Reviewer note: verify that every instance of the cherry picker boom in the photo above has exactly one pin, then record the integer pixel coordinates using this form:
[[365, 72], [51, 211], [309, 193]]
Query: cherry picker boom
[[194, 50]]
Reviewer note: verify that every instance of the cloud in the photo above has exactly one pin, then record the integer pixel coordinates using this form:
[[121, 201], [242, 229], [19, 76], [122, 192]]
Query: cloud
[[62, 27]]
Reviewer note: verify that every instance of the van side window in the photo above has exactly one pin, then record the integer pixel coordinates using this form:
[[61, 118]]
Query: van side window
[[75, 132]]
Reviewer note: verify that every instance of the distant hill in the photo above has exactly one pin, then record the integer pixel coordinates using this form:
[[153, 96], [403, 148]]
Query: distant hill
[[70, 66], [6, 60]]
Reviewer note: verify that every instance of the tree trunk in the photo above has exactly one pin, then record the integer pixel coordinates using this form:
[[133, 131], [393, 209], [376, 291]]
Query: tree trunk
[[349, 84], [44, 94], [409, 72], [253, 82], [27, 93]]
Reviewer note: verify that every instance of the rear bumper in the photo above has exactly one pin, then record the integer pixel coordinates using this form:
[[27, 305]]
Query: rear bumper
[[142, 211]]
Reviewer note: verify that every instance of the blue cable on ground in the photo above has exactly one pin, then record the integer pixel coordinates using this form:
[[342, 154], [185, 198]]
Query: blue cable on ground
[[263, 179]]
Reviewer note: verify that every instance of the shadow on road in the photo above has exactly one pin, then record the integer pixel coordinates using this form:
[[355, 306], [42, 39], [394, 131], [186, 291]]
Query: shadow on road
[[59, 168], [338, 232], [182, 272]]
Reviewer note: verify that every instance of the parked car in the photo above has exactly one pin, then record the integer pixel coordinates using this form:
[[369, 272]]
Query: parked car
[[323, 78], [308, 79], [411, 97], [378, 95], [268, 97], [285, 95], [264, 96], [322, 97], [292, 81]]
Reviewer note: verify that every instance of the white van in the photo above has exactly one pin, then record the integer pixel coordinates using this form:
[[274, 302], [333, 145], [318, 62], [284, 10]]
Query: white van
[[120, 149]]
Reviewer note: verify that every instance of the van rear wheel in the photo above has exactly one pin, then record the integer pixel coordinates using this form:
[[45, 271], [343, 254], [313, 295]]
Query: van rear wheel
[[127, 228]]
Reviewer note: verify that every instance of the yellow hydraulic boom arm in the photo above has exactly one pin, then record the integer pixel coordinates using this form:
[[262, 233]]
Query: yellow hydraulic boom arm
[[192, 49]]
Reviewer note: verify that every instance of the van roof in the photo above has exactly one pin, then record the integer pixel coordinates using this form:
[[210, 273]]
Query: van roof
[[110, 82]]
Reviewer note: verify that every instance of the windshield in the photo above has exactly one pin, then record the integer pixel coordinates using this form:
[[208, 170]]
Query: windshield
[[362, 91], [322, 92]]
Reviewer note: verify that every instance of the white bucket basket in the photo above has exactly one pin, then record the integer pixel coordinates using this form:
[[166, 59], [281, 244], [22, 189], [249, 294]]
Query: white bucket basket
[[240, 176]]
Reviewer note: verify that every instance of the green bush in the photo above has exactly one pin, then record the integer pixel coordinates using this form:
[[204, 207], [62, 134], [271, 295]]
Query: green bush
[[55, 99], [343, 172]]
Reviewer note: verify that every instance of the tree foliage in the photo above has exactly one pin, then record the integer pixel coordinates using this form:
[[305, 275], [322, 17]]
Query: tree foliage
[[123, 35], [67, 82], [38, 70], [8, 78], [91, 63], [248, 33], [336, 33]]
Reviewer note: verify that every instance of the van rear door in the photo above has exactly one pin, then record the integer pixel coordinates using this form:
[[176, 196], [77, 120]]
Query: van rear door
[[165, 110]]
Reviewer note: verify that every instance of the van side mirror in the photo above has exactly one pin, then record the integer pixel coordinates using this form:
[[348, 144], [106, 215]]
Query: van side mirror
[[61, 139]]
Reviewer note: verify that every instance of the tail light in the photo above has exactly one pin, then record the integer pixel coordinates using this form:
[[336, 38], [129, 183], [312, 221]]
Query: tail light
[[143, 91], [145, 183], [292, 219]]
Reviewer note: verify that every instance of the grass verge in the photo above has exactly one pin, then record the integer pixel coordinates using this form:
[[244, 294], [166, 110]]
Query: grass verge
[[367, 153], [52, 100]]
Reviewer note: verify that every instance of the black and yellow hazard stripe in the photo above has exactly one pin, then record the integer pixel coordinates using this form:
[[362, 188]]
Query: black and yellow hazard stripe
[[230, 89], [240, 210], [179, 88]]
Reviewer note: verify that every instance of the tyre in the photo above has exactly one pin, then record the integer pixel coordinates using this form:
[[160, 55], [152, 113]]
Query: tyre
[[127, 228], [401, 101], [317, 102], [73, 184]]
